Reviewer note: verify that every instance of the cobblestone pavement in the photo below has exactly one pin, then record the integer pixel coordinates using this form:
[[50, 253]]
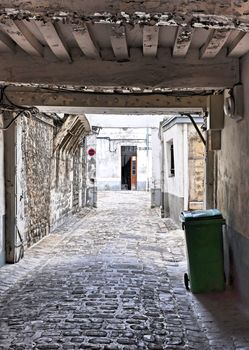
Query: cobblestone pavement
[[113, 279]]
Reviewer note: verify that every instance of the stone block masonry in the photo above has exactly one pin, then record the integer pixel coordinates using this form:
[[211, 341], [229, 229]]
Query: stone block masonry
[[34, 150], [49, 184]]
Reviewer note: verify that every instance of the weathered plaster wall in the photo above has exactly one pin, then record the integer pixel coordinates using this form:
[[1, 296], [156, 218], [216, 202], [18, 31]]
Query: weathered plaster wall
[[108, 154], [233, 188], [2, 197]]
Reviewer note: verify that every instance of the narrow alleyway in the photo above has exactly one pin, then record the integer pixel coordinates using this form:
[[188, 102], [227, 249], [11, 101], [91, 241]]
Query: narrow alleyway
[[112, 279]]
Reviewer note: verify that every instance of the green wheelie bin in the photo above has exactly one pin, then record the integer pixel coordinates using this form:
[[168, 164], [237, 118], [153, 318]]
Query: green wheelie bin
[[204, 241]]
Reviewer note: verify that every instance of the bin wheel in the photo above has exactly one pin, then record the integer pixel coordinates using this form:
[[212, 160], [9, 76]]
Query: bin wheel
[[186, 281]]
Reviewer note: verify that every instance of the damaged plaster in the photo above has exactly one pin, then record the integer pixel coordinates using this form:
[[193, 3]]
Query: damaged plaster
[[205, 14]]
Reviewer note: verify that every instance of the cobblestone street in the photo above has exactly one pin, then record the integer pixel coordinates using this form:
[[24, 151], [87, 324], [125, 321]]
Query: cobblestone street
[[112, 278]]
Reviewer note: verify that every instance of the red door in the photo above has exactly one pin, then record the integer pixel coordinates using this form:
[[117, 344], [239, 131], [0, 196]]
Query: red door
[[133, 173]]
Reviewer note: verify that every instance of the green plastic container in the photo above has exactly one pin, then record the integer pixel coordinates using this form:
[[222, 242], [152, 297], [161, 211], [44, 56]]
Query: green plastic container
[[204, 240]]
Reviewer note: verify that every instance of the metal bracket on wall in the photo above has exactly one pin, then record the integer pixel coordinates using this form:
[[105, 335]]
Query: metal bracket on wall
[[196, 127]]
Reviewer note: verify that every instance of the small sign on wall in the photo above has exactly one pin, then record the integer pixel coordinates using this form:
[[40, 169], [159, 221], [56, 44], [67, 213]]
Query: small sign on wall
[[91, 152]]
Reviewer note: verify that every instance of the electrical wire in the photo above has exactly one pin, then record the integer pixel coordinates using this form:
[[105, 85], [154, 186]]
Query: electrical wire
[[12, 121], [195, 126], [3, 95], [12, 107]]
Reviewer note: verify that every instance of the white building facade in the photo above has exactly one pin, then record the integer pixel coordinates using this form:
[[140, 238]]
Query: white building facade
[[124, 159], [128, 146], [183, 166]]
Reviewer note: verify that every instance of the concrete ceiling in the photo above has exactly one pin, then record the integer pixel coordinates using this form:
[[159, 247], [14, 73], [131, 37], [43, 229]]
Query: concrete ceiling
[[157, 45]]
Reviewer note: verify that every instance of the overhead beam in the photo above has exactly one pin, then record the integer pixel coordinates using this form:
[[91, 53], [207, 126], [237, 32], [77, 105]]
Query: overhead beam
[[239, 46], [119, 43], [53, 40], [6, 43], [78, 102], [215, 42], [167, 72], [85, 41], [150, 40], [23, 37], [182, 41]]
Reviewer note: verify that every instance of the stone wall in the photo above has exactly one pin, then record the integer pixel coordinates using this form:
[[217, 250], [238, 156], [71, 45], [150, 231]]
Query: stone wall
[[67, 186], [49, 184], [61, 188], [2, 197], [34, 147], [196, 166]]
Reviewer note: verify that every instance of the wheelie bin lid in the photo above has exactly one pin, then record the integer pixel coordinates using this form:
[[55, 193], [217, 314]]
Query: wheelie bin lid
[[200, 215]]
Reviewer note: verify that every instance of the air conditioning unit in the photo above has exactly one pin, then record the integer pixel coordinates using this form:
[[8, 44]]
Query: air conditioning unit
[[234, 103]]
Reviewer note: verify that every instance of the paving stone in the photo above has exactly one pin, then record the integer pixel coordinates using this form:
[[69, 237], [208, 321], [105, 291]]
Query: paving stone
[[114, 280]]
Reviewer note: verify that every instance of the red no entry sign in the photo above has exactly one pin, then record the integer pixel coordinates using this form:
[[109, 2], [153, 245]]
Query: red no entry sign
[[91, 152]]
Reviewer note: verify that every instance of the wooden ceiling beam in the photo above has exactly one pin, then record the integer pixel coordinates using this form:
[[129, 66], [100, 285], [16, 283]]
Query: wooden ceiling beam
[[6, 43], [23, 37], [166, 72], [150, 40], [85, 41], [54, 41], [182, 41], [119, 42], [215, 42], [239, 46], [90, 102]]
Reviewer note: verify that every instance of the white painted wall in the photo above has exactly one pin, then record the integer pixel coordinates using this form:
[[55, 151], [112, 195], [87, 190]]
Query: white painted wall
[[2, 197], [156, 158], [109, 157], [108, 165], [174, 184]]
